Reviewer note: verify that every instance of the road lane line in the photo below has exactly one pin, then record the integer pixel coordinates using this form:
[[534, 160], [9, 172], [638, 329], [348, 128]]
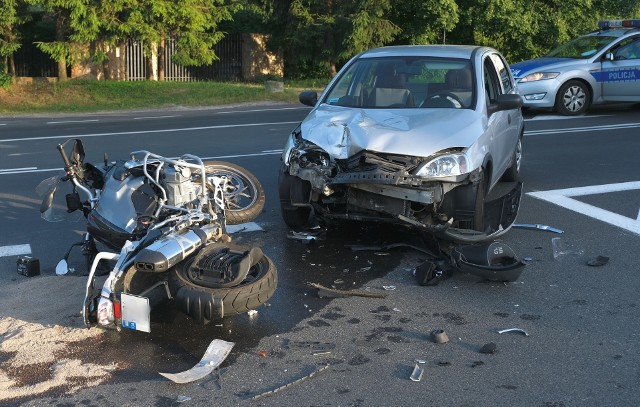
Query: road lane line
[[13, 171], [582, 129], [264, 110], [74, 121], [155, 117], [15, 250], [128, 133]]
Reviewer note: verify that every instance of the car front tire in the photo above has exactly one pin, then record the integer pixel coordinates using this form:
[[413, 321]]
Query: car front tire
[[573, 98]]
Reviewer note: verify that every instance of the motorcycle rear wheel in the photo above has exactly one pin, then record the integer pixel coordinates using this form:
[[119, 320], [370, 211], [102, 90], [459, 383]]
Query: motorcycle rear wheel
[[244, 197], [205, 304]]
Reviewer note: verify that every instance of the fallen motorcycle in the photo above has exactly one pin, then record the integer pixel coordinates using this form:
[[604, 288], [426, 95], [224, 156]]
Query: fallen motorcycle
[[165, 221]]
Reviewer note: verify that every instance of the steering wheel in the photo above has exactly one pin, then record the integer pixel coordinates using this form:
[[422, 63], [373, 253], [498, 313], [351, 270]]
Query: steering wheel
[[443, 99]]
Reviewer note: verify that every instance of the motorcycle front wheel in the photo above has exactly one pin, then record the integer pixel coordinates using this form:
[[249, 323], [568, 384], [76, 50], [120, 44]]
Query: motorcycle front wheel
[[195, 296], [244, 196]]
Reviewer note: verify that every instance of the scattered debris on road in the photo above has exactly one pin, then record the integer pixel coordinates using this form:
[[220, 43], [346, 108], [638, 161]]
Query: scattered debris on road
[[215, 354], [520, 330], [537, 226], [286, 386], [325, 292], [598, 261]]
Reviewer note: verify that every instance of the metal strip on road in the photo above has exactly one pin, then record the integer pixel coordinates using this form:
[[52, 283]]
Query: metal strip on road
[[583, 129], [128, 133], [15, 250]]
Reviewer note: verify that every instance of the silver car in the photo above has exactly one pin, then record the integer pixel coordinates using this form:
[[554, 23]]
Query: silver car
[[417, 135], [600, 67]]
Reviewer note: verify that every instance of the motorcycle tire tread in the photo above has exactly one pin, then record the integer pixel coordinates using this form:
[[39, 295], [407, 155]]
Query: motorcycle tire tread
[[205, 304]]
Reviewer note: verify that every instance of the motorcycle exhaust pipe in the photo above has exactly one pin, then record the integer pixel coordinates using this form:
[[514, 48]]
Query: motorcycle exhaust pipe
[[172, 249]]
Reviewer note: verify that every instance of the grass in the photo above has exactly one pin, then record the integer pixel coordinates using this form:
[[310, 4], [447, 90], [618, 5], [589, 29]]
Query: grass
[[81, 96]]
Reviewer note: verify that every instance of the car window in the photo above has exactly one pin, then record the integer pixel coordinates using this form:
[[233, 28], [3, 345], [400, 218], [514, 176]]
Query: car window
[[491, 82], [581, 47], [405, 82], [627, 49], [503, 72]]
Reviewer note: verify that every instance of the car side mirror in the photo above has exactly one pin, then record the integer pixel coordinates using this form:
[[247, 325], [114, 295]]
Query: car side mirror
[[308, 97], [507, 101], [609, 56]]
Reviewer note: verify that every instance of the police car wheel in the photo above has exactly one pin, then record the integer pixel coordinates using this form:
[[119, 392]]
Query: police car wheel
[[573, 98]]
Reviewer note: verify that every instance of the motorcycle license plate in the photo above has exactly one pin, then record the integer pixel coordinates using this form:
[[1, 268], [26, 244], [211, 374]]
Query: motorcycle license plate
[[136, 312]]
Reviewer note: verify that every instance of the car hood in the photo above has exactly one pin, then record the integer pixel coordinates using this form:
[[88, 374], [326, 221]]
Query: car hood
[[524, 68], [343, 132]]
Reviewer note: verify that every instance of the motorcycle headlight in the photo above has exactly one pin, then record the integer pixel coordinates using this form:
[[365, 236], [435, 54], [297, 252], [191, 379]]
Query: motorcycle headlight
[[446, 165], [538, 76]]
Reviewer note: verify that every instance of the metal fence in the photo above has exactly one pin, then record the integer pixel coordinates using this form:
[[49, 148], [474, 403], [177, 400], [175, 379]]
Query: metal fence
[[30, 61], [227, 68]]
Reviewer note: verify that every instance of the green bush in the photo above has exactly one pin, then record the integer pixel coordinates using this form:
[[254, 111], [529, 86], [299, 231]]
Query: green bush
[[5, 80]]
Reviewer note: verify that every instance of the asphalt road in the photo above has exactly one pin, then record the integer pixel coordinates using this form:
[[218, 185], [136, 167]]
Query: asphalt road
[[583, 322]]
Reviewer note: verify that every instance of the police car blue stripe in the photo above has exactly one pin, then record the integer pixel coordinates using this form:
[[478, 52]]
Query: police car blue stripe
[[521, 68], [617, 75]]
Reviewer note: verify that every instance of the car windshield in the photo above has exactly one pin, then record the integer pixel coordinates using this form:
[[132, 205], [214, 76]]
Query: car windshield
[[405, 82], [581, 47]]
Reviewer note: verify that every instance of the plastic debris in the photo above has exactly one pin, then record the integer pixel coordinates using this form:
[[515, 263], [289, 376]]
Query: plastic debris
[[489, 348], [311, 345], [439, 336], [308, 236], [262, 354], [520, 330], [215, 354], [536, 226], [324, 292], [182, 399], [389, 287], [286, 386], [559, 249], [598, 261], [416, 375], [252, 313]]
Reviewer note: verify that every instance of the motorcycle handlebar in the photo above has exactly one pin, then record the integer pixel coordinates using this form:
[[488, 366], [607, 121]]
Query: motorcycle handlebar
[[64, 156]]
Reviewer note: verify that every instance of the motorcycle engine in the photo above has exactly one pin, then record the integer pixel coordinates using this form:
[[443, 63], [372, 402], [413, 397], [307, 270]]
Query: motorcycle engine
[[177, 182]]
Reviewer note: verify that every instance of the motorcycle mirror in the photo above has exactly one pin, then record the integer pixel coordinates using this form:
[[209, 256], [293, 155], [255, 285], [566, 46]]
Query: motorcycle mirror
[[62, 267], [48, 200], [106, 159], [77, 152]]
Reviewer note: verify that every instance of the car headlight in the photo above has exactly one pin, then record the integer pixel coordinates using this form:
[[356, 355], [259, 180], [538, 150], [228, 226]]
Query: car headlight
[[446, 165], [286, 153], [538, 76]]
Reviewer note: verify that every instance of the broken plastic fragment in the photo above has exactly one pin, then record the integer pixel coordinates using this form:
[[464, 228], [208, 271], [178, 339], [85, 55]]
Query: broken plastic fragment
[[286, 386], [489, 348], [598, 261], [389, 287], [252, 313], [536, 226], [439, 336], [520, 330], [416, 375], [182, 399], [215, 354]]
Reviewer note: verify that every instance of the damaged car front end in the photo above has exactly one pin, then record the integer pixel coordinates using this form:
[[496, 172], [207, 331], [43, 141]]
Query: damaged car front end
[[432, 161]]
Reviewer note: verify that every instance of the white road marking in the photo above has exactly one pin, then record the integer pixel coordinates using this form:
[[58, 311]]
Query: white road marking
[[583, 129], [264, 110], [15, 250], [11, 171], [74, 121], [244, 227], [556, 117], [128, 133], [155, 117], [562, 197]]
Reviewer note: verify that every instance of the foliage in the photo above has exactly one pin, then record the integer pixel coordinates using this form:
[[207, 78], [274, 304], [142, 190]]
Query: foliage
[[5, 80], [13, 13], [424, 21]]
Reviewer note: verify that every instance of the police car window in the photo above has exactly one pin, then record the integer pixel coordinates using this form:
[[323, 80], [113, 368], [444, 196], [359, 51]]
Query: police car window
[[628, 49], [581, 47]]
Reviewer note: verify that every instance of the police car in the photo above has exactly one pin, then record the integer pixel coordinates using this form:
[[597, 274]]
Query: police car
[[602, 66]]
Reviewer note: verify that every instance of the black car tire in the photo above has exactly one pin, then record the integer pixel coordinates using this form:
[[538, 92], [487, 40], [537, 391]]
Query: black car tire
[[246, 198], [290, 188], [205, 304], [512, 174], [573, 98]]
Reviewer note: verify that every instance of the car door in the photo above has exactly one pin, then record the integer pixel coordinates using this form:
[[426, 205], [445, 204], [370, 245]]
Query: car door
[[498, 80], [621, 76]]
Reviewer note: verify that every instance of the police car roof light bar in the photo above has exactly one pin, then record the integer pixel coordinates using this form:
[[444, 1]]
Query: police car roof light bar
[[604, 24]]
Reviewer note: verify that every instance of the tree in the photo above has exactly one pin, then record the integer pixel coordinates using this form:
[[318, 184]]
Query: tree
[[424, 21], [326, 33], [13, 13]]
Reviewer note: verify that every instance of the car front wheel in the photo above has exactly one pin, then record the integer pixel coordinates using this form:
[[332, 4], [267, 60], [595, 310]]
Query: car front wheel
[[573, 98]]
